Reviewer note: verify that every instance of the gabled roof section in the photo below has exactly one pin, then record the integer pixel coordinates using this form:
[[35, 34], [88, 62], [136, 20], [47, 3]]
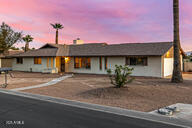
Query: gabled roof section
[[101, 49], [62, 50], [10, 53], [49, 46], [47, 52]]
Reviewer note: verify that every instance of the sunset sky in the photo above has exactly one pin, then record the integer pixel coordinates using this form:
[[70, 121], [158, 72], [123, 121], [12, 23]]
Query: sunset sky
[[111, 21]]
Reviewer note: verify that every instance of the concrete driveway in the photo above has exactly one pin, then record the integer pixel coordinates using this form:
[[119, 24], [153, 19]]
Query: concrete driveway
[[187, 76]]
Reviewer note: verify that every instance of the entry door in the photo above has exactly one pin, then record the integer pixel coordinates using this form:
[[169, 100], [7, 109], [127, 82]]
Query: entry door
[[62, 64]]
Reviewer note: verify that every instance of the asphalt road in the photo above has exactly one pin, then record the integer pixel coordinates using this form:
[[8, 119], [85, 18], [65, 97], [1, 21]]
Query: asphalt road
[[20, 112]]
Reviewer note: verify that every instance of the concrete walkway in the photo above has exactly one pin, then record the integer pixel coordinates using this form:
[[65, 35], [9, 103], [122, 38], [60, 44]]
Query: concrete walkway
[[55, 81]]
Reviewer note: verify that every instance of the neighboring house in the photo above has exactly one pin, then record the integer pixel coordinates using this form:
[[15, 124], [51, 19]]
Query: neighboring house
[[147, 59], [189, 53], [190, 57], [6, 61]]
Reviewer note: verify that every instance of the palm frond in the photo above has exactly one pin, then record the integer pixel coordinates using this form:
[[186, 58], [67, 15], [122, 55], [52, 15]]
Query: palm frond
[[28, 38], [57, 26]]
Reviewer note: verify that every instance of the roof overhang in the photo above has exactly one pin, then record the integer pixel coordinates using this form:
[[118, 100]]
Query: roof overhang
[[50, 45], [183, 53]]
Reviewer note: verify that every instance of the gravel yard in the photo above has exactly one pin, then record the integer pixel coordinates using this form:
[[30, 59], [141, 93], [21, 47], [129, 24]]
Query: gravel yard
[[23, 79], [144, 94]]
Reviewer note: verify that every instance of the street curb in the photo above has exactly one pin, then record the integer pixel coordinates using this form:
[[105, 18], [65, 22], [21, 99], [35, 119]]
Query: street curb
[[107, 109]]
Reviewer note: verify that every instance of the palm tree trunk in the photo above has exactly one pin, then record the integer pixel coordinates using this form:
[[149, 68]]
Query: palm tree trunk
[[56, 38], [177, 74], [26, 46]]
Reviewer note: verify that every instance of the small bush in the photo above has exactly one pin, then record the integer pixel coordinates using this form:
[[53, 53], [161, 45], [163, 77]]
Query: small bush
[[120, 76]]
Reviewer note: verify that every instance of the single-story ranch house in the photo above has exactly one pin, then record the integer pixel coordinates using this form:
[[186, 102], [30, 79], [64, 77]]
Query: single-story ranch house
[[147, 59]]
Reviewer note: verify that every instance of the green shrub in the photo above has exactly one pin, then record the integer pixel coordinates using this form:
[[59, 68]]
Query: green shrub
[[120, 76]]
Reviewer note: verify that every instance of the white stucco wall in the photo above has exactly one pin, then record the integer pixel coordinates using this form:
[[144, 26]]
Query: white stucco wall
[[153, 68], [168, 66], [188, 66], [29, 63]]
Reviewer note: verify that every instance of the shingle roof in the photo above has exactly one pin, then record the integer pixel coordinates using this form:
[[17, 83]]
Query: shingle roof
[[88, 49], [10, 53], [129, 49], [150, 49], [38, 53], [101, 49]]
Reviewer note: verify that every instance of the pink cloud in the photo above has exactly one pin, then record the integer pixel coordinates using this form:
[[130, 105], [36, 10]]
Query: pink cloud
[[109, 21]]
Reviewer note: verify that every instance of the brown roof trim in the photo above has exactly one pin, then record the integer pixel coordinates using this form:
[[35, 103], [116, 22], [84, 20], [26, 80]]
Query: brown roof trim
[[115, 56], [31, 56], [182, 51]]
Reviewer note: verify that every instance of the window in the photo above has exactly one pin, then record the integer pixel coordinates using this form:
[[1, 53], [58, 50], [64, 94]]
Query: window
[[100, 63], [105, 62], [88, 63], [82, 62], [136, 61], [19, 60], [37, 60]]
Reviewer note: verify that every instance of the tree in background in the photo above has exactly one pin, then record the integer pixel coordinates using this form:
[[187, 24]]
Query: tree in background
[[177, 74], [57, 26], [120, 76], [23, 48], [27, 39], [8, 37]]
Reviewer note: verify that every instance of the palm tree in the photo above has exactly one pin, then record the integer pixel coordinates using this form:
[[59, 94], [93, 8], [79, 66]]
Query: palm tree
[[27, 39], [57, 26], [177, 74]]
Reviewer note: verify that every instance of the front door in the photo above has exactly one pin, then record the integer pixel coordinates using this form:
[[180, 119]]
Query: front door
[[62, 64]]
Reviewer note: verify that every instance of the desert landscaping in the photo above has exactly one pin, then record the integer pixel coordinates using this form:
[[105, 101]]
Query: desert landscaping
[[143, 94], [23, 79]]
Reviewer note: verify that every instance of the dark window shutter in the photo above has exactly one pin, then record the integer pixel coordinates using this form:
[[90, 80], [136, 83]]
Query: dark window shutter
[[145, 61], [105, 63], [100, 63], [127, 61]]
